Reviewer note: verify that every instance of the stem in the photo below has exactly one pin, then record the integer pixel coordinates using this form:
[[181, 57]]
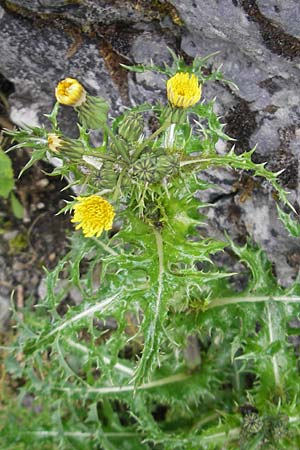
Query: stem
[[116, 142], [105, 247], [152, 330], [251, 299], [4, 348], [157, 132], [107, 360], [99, 155], [119, 367], [204, 421], [159, 244], [129, 388], [150, 138], [293, 419], [274, 359], [193, 161], [118, 186], [77, 434], [224, 435], [88, 312]]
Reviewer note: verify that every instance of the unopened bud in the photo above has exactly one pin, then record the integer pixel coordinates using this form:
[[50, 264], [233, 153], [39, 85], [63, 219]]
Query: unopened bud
[[131, 127], [54, 142], [168, 165], [145, 170], [70, 92]]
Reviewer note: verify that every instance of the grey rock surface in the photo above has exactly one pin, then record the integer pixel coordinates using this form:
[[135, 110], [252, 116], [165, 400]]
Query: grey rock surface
[[4, 312], [285, 13], [259, 44]]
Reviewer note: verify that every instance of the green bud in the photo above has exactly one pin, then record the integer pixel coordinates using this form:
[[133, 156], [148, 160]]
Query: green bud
[[280, 426], [108, 176], [119, 147], [71, 149], [173, 115], [168, 165], [92, 113], [131, 127], [145, 170], [252, 424]]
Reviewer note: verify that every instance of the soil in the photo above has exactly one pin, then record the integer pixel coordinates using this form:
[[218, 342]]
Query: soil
[[39, 240]]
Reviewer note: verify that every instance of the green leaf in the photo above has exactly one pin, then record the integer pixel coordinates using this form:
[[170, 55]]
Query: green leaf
[[6, 175], [255, 258], [17, 208], [290, 224], [243, 162], [36, 155]]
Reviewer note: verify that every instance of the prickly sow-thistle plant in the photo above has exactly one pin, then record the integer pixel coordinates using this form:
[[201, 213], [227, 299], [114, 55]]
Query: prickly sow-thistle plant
[[161, 352]]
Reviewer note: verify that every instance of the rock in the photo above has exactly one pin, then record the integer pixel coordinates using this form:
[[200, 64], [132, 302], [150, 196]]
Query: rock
[[4, 312], [284, 13], [38, 59], [259, 45], [262, 224]]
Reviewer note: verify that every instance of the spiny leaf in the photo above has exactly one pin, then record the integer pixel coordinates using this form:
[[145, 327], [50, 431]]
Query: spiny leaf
[[263, 279], [243, 162], [290, 224]]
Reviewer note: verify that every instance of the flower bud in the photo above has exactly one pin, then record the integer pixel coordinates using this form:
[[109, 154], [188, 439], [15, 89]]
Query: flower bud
[[144, 170], [167, 165], [71, 149], [131, 127], [252, 424], [54, 142], [70, 92], [92, 113]]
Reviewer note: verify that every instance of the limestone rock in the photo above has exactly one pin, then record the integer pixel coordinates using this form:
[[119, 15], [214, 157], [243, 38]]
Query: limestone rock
[[284, 13], [4, 312], [259, 44]]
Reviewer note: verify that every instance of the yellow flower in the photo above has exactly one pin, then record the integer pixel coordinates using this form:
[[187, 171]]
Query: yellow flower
[[183, 90], [70, 92], [93, 214], [54, 142]]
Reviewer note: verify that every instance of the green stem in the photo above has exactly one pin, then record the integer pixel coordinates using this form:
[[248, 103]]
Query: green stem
[[204, 421], [99, 155], [4, 348], [222, 436], [272, 338], [159, 245], [85, 350], [179, 377], [117, 191], [194, 161], [78, 434], [86, 313], [151, 330], [150, 138], [116, 142], [251, 299], [156, 133], [293, 419], [104, 246]]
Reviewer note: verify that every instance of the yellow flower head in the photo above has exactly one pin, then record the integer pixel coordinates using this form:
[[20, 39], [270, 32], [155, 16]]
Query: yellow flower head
[[93, 214], [183, 90], [54, 142], [70, 92]]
